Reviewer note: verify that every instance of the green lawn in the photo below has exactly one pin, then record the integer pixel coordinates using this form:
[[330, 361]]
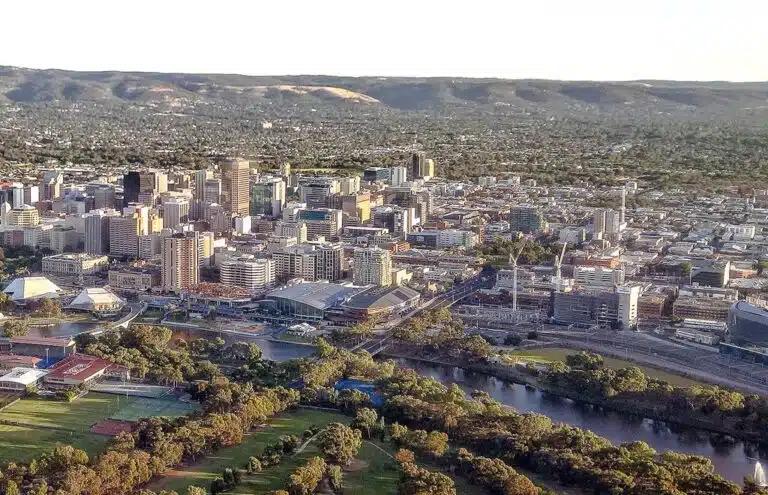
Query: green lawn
[[142, 407], [549, 354], [201, 473], [19, 443], [77, 415]]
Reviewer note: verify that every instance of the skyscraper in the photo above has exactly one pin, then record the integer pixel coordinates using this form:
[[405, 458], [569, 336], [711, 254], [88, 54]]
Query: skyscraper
[[104, 197], [417, 164], [234, 186], [372, 266], [526, 219], [180, 261], [398, 176], [131, 183], [124, 235], [97, 231], [175, 212], [316, 192]]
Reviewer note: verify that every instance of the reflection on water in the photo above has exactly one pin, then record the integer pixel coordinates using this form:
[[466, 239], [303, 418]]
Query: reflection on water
[[733, 460]]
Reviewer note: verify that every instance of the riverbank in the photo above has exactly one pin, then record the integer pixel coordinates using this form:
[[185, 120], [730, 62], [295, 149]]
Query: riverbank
[[626, 407]]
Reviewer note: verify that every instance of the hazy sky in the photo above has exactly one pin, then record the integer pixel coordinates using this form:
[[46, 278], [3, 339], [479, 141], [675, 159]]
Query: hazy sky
[[554, 39]]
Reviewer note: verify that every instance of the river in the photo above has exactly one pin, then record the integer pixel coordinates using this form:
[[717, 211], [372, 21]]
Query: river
[[733, 461]]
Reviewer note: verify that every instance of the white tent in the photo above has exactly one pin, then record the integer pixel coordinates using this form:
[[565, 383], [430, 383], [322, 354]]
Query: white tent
[[26, 289]]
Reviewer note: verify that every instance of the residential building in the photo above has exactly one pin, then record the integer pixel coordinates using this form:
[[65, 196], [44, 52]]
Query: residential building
[[248, 272], [24, 216], [180, 261], [526, 219], [292, 229], [309, 261], [372, 266], [175, 212], [124, 234]]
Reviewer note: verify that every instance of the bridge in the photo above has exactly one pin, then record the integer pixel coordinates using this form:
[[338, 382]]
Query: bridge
[[136, 310]]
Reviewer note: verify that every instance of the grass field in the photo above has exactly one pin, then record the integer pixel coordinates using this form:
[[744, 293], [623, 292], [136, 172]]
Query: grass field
[[37, 419], [201, 473], [549, 354], [20, 443]]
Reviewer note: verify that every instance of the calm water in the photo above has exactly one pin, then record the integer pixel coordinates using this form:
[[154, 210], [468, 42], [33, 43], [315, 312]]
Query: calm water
[[62, 329], [733, 461]]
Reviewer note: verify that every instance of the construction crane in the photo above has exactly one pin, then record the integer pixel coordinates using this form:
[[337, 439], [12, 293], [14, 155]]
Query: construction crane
[[513, 262]]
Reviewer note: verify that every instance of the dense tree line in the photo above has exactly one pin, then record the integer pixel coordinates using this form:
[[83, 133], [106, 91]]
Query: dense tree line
[[440, 332], [585, 372], [155, 445]]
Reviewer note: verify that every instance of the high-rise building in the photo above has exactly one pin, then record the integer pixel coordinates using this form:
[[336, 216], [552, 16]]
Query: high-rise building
[[205, 249], [598, 222], [428, 170], [268, 197], [349, 185], [398, 220], [372, 266], [180, 262], [292, 209], [628, 296], [248, 272], [161, 182], [243, 224], [321, 222], [31, 195], [398, 176], [104, 197], [200, 177], [526, 219], [131, 185], [175, 212], [124, 235], [63, 239], [613, 225], [219, 219], [405, 197], [234, 186], [97, 230], [417, 164], [309, 261], [24, 216], [143, 214], [316, 192], [375, 174], [211, 191], [52, 184]]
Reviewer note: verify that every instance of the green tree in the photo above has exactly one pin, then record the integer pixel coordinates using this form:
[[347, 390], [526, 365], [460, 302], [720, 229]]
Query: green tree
[[339, 443], [15, 328]]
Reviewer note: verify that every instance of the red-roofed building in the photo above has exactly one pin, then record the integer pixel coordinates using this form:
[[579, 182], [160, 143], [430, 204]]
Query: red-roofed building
[[9, 361], [43, 347], [82, 369]]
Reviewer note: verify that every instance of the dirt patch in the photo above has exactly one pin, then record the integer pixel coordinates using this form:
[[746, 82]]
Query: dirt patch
[[111, 427], [355, 466]]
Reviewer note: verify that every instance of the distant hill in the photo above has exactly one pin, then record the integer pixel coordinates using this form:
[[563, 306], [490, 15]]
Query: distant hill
[[640, 98]]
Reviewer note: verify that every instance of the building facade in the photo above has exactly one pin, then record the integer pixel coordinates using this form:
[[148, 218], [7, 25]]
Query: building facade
[[372, 266]]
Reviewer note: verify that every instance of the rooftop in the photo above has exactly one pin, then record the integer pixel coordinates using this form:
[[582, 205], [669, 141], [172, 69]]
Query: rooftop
[[315, 294], [31, 288], [381, 297], [23, 376]]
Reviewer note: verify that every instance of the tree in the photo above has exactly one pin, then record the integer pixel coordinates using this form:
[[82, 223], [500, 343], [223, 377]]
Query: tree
[[365, 420], [335, 477], [254, 465], [49, 307], [195, 490], [339, 443], [584, 360], [305, 479], [15, 328]]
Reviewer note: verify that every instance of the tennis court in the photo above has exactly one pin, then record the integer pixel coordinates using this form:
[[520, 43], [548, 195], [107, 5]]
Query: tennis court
[[135, 408]]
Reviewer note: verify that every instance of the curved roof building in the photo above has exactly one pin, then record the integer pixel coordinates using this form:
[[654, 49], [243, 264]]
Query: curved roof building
[[97, 300], [748, 325], [24, 289]]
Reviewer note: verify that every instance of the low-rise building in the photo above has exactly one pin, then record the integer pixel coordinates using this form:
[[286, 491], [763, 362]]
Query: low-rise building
[[75, 264], [139, 278], [20, 379]]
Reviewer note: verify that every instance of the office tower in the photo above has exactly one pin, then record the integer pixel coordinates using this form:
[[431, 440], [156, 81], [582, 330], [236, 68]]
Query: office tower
[[622, 217], [150, 246], [417, 164], [175, 212], [398, 220], [428, 170], [526, 219], [124, 235], [372, 266], [212, 191], [234, 186], [612, 225], [180, 261], [51, 185], [131, 185], [316, 192], [63, 239], [598, 222], [268, 197], [321, 222], [398, 176], [310, 261], [405, 197], [205, 248], [243, 224], [376, 174], [292, 229], [355, 205], [104, 197], [24, 216], [148, 193], [219, 219], [200, 177], [97, 231], [18, 195], [285, 169], [349, 185], [628, 298], [161, 182], [143, 214], [292, 209], [5, 209], [248, 272]]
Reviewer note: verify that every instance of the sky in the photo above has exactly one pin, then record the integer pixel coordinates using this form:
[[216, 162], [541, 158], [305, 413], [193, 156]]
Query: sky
[[547, 39]]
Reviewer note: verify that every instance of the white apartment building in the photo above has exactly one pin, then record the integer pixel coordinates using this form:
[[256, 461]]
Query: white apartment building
[[627, 309], [598, 276], [248, 272]]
